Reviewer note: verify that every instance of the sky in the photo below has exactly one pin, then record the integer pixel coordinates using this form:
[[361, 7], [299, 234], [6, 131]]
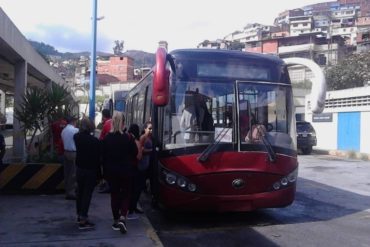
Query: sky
[[141, 24]]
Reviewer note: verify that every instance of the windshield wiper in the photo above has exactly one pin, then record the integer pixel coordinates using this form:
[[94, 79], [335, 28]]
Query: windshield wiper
[[261, 137], [211, 147], [270, 151]]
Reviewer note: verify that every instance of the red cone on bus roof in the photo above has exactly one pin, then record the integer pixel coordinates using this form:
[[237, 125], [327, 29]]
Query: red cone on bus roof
[[161, 79]]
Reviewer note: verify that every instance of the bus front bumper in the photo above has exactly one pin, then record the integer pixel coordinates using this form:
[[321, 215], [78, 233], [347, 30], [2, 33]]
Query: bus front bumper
[[175, 199]]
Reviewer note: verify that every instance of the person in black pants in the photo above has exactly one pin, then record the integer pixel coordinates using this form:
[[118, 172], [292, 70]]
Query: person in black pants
[[119, 151], [87, 163], [2, 148], [134, 130]]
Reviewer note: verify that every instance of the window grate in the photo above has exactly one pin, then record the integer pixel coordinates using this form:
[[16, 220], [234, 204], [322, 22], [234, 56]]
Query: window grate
[[346, 102]]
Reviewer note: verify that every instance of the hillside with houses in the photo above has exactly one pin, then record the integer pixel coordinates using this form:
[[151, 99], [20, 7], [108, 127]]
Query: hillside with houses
[[326, 32]]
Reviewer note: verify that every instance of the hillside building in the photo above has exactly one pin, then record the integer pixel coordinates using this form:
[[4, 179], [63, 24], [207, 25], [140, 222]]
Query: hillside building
[[363, 34], [283, 17], [300, 25], [217, 44], [116, 69]]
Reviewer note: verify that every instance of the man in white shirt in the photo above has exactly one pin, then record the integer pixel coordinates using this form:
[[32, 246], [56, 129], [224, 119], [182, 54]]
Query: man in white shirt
[[192, 118], [69, 158]]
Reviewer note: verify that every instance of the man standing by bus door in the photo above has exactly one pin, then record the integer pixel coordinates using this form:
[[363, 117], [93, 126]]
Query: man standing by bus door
[[192, 117], [67, 134]]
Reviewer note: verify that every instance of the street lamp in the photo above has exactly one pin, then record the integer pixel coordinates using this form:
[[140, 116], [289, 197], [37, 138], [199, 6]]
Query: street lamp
[[93, 63]]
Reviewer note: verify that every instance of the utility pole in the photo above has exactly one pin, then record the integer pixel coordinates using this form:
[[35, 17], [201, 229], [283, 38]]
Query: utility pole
[[93, 63]]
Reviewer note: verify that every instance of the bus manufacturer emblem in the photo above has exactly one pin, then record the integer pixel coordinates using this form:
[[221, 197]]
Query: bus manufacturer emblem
[[238, 183]]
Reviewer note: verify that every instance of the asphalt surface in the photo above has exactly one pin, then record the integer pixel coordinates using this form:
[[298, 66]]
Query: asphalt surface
[[331, 209]]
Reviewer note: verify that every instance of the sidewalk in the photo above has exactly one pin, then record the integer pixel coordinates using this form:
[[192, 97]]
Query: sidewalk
[[342, 153], [50, 220]]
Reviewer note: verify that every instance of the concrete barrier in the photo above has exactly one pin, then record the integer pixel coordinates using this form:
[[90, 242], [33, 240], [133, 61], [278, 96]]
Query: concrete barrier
[[31, 178]]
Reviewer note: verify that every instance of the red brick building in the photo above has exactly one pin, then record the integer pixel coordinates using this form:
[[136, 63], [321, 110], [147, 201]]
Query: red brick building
[[116, 69], [269, 46]]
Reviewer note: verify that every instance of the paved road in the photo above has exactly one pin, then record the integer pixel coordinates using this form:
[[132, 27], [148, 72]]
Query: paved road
[[332, 208]]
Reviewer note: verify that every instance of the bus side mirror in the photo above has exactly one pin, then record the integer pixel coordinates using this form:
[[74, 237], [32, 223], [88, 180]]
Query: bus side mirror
[[318, 90], [161, 80]]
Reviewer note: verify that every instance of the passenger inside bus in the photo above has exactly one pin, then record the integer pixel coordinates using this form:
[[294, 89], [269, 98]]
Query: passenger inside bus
[[256, 133], [207, 127], [244, 119], [196, 119], [192, 117], [251, 130]]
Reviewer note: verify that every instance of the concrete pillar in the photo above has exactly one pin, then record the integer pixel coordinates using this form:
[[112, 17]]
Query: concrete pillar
[[2, 102], [2, 110], [19, 91], [48, 84]]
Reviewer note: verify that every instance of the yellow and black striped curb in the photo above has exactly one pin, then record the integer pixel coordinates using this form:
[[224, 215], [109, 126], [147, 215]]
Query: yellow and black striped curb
[[37, 178]]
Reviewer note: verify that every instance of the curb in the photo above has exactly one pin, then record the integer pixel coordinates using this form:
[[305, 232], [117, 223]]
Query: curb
[[32, 178], [151, 233], [344, 154]]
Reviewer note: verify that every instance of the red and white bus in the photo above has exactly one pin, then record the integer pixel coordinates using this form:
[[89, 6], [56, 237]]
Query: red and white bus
[[224, 128]]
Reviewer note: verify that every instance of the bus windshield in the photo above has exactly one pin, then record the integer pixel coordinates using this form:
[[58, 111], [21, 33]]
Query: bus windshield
[[206, 112], [199, 111], [265, 109]]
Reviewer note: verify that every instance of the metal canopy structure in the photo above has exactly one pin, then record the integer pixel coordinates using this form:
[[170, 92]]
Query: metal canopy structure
[[15, 48], [20, 67]]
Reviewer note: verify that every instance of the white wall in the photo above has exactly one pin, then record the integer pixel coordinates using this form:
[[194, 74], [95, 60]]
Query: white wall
[[365, 133], [348, 100], [109, 89], [326, 132]]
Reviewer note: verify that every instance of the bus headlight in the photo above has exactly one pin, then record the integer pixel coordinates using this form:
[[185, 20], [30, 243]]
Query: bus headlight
[[292, 177], [192, 187], [170, 178], [286, 181], [276, 186], [177, 180], [181, 182]]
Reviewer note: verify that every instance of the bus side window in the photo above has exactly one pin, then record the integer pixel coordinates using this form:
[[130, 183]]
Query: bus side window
[[129, 111], [148, 105], [141, 102], [135, 106]]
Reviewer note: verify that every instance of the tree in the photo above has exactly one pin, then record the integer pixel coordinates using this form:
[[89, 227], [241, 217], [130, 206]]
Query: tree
[[205, 43], [31, 113], [40, 107], [118, 47], [58, 101], [236, 45], [350, 72]]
